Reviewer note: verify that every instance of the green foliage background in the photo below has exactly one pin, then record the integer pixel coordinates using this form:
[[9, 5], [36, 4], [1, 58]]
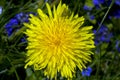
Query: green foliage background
[[105, 64]]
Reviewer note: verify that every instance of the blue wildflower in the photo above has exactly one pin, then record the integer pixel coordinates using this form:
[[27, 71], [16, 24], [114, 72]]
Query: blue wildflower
[[117, 2], [92, 17], [22, 17], [87, 8], [116, 14], [0, 10], [16, 22], [23, 40], [87, 71], [10, 26], [97, 3], [103, 35], [117, 46], [108, 2]]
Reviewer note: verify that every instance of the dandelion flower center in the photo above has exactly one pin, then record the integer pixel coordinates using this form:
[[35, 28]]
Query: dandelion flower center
[[57, 42]]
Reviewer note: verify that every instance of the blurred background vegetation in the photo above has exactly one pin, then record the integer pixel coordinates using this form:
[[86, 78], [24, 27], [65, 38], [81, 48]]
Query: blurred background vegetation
[[103, 15]]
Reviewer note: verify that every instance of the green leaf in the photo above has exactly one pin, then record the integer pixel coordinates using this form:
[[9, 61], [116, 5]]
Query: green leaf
[[89, 3]]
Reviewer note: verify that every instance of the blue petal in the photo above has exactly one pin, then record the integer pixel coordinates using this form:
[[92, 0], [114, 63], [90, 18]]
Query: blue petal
[[19, 16], [117, 2], [87, 71], [1, 10], [13, 22], [92, 17], [117, 14], [87, 8], [96, 2], [101, 1]]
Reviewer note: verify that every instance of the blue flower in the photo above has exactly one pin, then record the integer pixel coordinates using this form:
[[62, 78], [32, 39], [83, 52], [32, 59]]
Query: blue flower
[[103, 35], [87, 8], [92, 17], [108, 2], [16, 22], [22, 17], [19, 16], [116, 14], [117, 46], [1, 10], [9, 26], [98, 2], [117, 2], [87, 71]]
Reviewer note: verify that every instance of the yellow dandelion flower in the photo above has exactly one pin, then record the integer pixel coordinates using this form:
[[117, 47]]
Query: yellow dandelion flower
[[57, 43]]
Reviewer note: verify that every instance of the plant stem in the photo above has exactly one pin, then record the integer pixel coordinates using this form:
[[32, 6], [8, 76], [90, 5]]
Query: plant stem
[[14, 69], [106, 14], [99, 55]]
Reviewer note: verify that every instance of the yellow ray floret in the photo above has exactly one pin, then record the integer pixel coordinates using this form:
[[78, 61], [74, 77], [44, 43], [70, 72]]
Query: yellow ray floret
[[57, 42]]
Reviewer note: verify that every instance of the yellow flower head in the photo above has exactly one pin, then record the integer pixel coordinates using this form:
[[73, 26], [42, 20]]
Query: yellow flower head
[[57, 42]]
